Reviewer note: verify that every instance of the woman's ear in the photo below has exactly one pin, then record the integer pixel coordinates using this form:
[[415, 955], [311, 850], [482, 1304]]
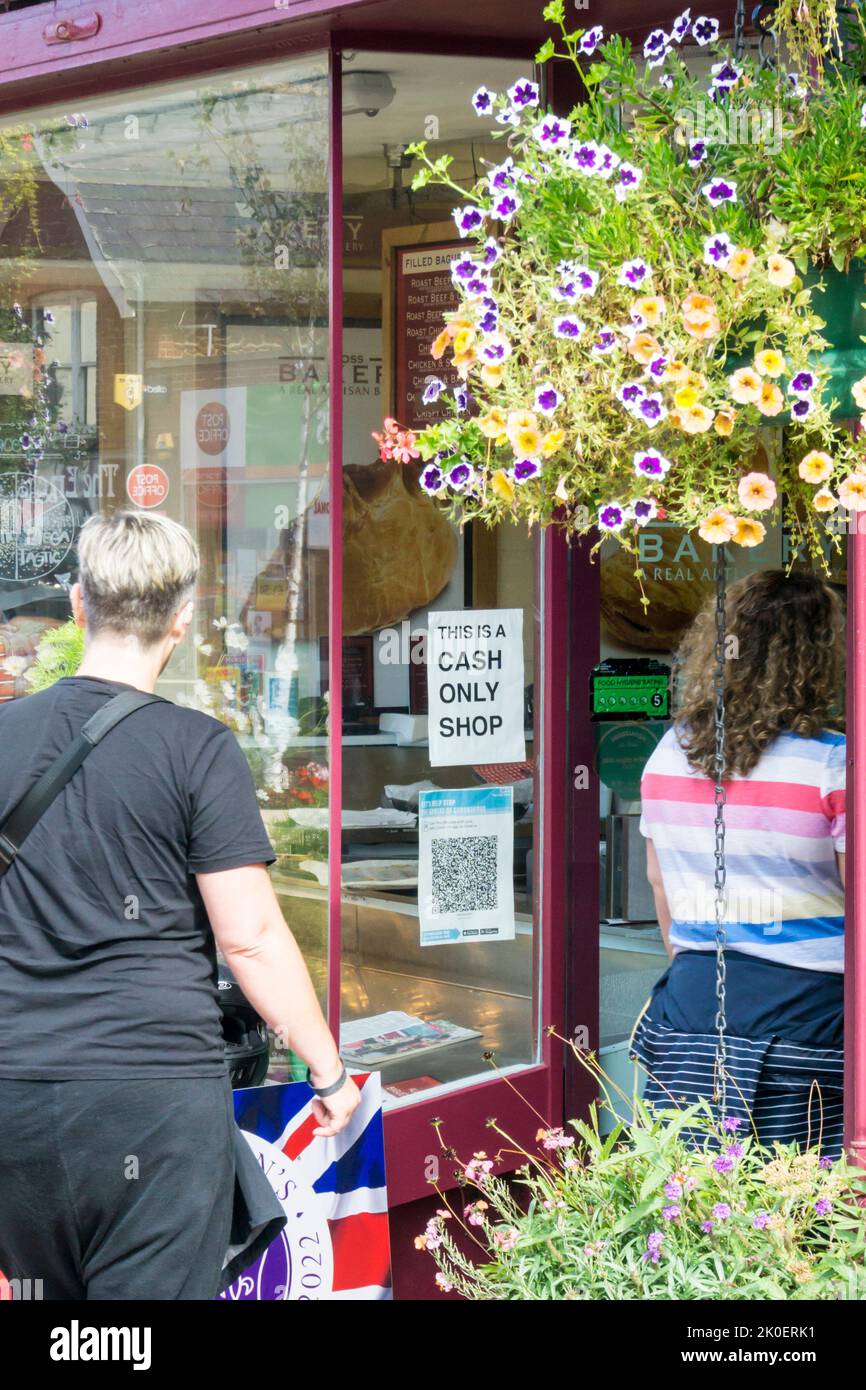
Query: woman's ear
[[77, 603]]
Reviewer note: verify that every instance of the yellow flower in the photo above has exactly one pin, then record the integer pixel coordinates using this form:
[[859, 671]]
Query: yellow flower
[[718, 527], [724, 422], [756, 491], [492, 425], [685, 397], [440, 343], [739, 263], [518, 420], [464, 361], [697, 381], [492, 373], [771, 401], [644, 347], [696, 419], [780, 271], [816, 467], [769, 362], [651, 308], [824, 501], [463, 341], [420, 1242], [852, 492], [502, 484], [552, 441], [748, 532], [677, 371], [744, 385], [526, 443], [858, 391]]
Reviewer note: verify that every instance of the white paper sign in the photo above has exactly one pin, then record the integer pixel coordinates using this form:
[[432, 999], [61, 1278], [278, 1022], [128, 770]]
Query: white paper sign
[[465, 865], [475, 687]]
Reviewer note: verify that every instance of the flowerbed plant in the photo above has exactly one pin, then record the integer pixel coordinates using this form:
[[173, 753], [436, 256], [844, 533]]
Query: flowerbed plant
[[641, 1213], [633, 304]]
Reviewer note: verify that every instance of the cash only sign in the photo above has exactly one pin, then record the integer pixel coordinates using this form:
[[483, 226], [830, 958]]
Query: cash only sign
[[475, 687]]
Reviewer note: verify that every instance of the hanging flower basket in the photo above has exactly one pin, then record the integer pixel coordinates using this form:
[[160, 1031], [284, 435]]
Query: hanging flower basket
[[634, 311]]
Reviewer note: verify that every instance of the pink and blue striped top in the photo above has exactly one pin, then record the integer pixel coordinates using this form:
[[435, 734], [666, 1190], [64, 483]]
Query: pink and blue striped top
[[784, 823]]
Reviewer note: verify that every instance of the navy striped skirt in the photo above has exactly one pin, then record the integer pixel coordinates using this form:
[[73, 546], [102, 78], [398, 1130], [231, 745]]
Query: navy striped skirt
[[784, 1065]]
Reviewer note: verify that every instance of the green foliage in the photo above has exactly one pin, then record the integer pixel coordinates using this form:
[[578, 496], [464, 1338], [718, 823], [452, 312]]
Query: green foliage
[[60, 653], [650, 1211]]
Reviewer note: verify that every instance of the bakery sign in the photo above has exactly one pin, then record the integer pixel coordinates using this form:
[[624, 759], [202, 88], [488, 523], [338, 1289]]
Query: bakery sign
[[475, 687], [16, 369]]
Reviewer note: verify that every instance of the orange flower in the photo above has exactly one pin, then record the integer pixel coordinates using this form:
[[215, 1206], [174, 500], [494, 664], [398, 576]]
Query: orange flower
[[644, 347], [780, 271], [492, 424], [757, 492], [771, 401], [739, 263], [651, 308], [744, 385], [724, 422], [440, 343], [700, 318], [824, 501], [815, 467], [502, 485], [696, 419], [677, 371], [492, 373], [770, 362], [852, 492], [748, 532], [718, 527]]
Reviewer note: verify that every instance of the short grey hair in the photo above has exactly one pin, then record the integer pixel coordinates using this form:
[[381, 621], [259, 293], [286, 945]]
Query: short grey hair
[[135, 569]]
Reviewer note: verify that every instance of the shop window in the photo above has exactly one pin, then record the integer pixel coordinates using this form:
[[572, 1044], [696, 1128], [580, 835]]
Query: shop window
[[440, 891], [163, 343]]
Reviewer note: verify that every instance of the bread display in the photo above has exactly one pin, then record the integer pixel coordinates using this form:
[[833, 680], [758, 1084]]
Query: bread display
[[399, 550]]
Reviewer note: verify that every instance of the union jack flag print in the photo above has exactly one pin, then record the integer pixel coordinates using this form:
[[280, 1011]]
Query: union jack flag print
[[335, 1243]]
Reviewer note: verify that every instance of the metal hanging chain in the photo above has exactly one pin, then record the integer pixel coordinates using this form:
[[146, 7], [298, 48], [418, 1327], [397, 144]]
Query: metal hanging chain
[[740, 29], [720, 1085]]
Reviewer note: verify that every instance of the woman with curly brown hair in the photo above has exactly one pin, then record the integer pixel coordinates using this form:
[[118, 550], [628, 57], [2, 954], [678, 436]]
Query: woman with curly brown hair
[[785, 854]]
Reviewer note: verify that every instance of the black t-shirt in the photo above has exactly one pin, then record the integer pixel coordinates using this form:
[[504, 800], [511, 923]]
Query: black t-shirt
[[107, 959]]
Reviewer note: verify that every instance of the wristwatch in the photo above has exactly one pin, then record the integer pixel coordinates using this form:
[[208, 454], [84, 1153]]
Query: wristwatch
[[324, 1091]]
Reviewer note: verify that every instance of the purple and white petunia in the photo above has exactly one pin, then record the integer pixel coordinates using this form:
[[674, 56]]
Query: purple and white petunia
[[490, 318], [581, 283], [697, 152], [608, 161], [725, 75], [649, 463], [643, 510], [505, 207], [524, 469], [720, 192], [611, 516], [666, 80], [657, 367], [547, 398], [524, 93], [477, 287], [494, 348], [630, 395], [718, 248], [633, 274], [492, 251], [468, 219], [503, 177], [483, 100], [705, 30], [802, 383], [584, 156], [591, 40], [802, 407], [552, 132], [651, 409], [463, 268], [433, 390], [461, 396], [432, 478], [628, 176], [507, 116], [461, 475], [567, 326], [606, 340], [656, 47], [681, 26]]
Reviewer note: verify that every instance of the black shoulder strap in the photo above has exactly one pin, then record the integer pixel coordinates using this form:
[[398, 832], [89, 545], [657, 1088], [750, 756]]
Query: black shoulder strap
[[23, 817]]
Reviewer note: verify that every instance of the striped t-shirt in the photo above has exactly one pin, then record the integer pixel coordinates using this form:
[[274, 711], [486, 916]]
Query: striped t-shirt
[[784, 823]]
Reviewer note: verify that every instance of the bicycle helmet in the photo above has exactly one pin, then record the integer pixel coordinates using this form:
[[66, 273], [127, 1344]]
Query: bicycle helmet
[[245, 1034]]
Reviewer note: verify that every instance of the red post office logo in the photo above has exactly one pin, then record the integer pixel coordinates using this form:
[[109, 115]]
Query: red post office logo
[[147, 485], [213, 428]]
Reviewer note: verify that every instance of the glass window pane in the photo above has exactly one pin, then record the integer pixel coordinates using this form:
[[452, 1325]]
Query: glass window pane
[[423, 999], [181, 253]]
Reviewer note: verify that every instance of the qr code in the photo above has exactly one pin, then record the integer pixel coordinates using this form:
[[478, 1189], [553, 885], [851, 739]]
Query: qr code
[[464, 873]]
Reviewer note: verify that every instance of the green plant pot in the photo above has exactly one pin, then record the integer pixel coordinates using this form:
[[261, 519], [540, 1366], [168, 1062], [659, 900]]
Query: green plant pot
[[841, 304]]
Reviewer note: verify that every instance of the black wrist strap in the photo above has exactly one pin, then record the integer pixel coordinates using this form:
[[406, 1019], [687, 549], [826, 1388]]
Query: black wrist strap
[[23, 817], [331, 1090]]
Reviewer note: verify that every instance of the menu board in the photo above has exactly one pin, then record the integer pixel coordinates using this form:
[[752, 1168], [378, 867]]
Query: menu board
[[423, 293]]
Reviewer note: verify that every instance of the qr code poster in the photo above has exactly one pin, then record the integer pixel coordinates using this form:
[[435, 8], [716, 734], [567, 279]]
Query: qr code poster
[[465, 864]]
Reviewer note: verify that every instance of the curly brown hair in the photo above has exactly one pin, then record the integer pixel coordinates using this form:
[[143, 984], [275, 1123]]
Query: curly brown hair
[[785, 672]]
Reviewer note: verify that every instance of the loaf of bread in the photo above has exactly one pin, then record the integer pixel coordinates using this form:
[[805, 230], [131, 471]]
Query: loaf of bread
[[676, 584]]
